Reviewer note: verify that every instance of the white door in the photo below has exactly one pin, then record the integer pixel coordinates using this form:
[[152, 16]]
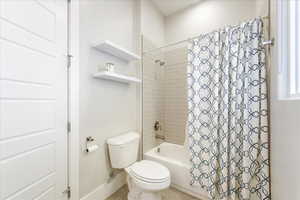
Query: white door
[[33, 99]]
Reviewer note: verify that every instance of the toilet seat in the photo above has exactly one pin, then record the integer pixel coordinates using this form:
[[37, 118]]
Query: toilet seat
[[149, 171], [149, 175]]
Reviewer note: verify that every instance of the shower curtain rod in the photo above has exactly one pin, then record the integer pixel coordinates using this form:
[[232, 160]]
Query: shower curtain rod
[[268, 42]]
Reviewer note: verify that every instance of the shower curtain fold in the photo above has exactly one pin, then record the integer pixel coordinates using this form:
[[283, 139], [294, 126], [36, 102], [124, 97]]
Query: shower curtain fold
[[227, 113]]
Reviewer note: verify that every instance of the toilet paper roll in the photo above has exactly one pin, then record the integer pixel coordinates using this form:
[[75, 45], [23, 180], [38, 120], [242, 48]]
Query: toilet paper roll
[[92, 148]]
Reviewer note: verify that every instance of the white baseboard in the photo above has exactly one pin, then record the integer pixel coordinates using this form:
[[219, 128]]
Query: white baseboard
[[105, 190]]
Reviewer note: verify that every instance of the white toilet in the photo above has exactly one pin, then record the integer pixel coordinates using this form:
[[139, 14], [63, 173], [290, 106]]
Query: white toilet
[[145, 178]]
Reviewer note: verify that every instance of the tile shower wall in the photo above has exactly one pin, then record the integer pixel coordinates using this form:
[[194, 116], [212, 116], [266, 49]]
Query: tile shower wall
[[164, 95], [152, 96], [175, 95]]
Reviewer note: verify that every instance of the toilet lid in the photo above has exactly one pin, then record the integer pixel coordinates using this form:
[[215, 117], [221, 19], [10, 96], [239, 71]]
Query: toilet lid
[[150, 171]]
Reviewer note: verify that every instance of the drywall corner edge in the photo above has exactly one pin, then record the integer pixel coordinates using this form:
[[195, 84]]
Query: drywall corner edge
[[73, 99]]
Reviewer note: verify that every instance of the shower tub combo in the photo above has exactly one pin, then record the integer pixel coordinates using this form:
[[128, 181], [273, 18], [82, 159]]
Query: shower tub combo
[[176, 159]]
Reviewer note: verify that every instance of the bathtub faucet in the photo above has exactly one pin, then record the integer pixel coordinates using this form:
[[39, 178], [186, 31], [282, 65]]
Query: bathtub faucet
[[157, 126], [158, 149], [161, 137]]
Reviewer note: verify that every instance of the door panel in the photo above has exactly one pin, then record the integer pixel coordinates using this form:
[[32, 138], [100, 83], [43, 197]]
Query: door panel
[[23, 117], [20, 36], [38, 65], [27, 14], [40, 162], [33, 99], [35, 189]]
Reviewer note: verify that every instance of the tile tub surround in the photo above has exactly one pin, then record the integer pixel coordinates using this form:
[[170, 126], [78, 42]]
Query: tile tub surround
[[164, 95], [153, 104], [168, 194], [175, 95]]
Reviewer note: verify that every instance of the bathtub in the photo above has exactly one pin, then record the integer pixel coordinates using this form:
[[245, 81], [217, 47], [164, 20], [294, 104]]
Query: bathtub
[[176, 159]]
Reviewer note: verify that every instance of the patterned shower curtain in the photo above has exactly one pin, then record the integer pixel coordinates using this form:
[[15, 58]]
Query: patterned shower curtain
[[228, 113]]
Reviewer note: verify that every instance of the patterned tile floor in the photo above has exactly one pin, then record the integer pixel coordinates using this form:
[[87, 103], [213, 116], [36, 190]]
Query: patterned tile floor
[[169, 194]]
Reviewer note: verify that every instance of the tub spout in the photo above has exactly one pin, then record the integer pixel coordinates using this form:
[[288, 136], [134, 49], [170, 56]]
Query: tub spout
[[161, 137], [158, 149]]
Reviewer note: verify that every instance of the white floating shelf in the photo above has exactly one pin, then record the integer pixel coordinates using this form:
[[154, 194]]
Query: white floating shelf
[[115, 50], [116, 77]]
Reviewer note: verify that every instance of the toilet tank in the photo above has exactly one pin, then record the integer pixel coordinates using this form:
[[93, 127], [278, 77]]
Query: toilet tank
[[123, 149]]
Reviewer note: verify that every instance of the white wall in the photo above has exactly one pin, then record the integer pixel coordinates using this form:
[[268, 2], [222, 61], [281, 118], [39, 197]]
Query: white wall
[[285, 134], [208, 16], [106, 108], [152, 23]]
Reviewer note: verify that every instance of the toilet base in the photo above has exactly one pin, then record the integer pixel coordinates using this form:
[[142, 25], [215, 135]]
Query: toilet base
[[135, 193]]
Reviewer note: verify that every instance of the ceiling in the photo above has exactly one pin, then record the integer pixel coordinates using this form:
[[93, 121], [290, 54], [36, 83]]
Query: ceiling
[[168, 7]]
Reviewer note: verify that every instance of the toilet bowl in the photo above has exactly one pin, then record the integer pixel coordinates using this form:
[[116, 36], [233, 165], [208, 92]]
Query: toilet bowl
[[145, 178]]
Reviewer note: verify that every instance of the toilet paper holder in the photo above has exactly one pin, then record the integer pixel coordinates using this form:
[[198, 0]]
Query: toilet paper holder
[[90, 148], [89, 139]]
